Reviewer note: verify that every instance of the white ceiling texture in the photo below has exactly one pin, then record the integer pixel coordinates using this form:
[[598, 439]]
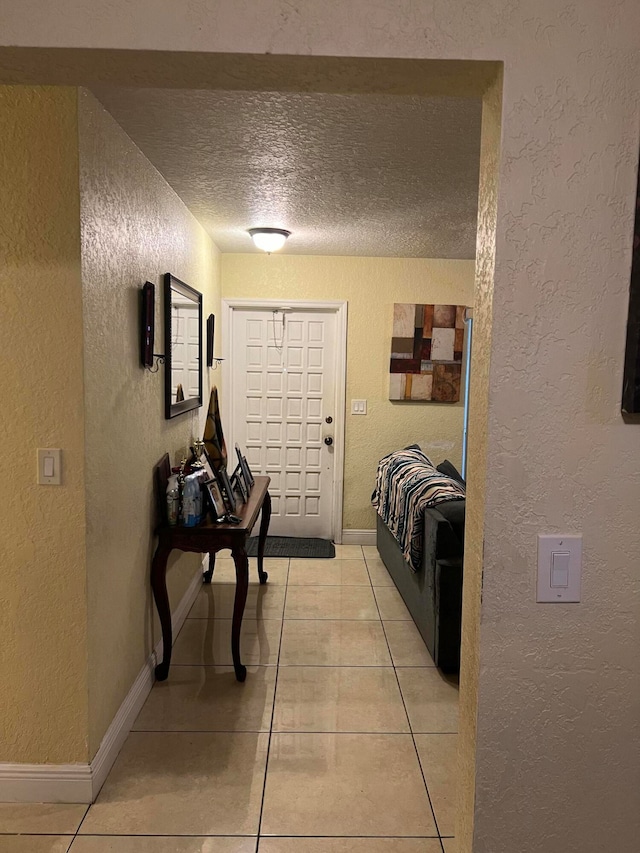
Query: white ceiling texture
[[366, 175]]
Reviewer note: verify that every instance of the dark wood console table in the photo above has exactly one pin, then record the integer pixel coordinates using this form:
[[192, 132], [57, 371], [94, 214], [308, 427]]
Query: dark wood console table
[[210, 538]]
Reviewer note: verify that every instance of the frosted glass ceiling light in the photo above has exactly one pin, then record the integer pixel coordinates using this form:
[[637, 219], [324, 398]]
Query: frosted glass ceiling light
[[269, 239]]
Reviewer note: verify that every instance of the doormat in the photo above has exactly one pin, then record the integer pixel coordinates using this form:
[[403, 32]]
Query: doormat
[[291, 546]]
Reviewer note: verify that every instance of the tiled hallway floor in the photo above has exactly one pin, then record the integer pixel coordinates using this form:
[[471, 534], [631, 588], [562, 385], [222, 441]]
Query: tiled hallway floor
[[341, 740]]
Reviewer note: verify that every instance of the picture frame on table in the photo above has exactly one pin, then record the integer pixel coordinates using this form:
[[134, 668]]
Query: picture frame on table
[[244, 467], [214, 499], [238, 483], [226, 489]]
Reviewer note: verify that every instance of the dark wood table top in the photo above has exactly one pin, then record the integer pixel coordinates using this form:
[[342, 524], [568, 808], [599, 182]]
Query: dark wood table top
[[248, 513]]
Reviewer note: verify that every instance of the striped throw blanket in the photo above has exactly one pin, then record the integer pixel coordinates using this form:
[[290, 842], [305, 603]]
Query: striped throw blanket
[[408, 483]]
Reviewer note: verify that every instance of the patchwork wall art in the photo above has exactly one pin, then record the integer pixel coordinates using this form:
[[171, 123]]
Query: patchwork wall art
[[426, 352]]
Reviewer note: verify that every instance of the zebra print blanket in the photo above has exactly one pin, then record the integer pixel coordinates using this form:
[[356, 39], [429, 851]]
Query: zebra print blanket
[[407, 483]]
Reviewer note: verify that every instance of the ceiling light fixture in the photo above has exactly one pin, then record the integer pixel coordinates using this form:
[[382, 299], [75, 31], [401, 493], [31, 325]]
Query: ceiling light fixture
[[269, 239]]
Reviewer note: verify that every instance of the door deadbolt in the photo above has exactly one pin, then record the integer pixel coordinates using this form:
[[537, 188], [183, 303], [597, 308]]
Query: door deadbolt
[[328, 441], [328, 419]]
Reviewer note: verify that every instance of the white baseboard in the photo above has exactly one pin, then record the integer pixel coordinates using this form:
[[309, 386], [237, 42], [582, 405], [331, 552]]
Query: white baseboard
[[81, 783], [358, 537], [45, 783]]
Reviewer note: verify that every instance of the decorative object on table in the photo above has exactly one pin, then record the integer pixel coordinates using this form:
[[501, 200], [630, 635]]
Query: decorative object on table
[[244, 467], [211, 471], [173, 500], [239, 485], [226, 489], [179, 393], [214, 499], [631, 382], [183, 346], [192, 500], [426, 352], [213, 434]]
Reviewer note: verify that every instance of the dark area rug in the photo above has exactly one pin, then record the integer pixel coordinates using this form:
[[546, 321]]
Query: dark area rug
[[291, 546]]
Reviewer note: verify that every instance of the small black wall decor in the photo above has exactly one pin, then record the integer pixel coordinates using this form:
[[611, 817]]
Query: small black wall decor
[[631, 383], [147, 323], [211, 322]]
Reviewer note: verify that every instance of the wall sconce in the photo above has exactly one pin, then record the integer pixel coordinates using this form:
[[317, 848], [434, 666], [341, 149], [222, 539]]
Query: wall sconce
[[269, 239], [211, 358]]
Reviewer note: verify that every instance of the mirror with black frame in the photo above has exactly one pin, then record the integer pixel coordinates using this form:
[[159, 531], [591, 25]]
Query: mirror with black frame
[[183, 347]]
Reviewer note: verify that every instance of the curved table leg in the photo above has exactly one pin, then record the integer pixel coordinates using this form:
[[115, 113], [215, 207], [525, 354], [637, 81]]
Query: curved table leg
[[208, 575], [262, 538], [241, 560], [161, 597]]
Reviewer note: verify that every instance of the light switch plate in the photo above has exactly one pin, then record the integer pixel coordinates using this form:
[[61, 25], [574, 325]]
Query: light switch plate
[[358, 407], [559, 568], [49, 466]]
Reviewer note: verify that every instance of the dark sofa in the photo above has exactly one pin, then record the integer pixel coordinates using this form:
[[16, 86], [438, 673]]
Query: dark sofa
[[433, 595]]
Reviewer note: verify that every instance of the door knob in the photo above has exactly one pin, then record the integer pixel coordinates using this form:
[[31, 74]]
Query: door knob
[[329, 419], [328, 441]]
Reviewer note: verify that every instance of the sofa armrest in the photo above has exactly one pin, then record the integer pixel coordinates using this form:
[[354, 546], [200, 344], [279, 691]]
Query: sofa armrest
[[438, 530]]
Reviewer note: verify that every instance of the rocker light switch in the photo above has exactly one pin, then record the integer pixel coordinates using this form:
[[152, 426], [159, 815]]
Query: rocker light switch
[[559, 568], [358, 407], [49, 466]]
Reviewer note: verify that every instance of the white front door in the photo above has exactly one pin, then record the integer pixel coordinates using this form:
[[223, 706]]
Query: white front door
[[283, 410], [185, 349]]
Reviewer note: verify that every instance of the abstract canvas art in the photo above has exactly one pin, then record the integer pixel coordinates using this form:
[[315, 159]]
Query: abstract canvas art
[[426, 352]]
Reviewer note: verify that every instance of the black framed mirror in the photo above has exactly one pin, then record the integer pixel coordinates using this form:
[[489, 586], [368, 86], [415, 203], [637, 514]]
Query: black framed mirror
[[182, 346]]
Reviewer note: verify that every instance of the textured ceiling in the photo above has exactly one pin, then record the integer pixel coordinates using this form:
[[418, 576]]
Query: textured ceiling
[[369, 175]]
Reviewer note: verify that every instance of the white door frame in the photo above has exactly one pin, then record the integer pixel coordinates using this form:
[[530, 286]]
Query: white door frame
[[340, 365]]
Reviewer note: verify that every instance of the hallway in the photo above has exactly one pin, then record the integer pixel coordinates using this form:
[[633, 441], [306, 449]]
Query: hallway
[[342, 707]]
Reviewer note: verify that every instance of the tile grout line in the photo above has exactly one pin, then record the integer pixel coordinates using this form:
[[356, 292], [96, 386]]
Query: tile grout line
[[404, 705], [76, 833], [273, 711]]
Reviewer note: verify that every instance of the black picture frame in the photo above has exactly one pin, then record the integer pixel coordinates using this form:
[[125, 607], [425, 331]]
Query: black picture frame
[[214, 499], [238, 482], [244, 467], [174, 285], [226, 488]]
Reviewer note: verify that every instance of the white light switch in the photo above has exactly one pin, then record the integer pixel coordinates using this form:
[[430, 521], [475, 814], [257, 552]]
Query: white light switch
[[559, 568], [358, 407], [49, 466]]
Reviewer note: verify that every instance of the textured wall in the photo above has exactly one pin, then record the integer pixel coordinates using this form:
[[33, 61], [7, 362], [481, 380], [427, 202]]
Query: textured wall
[[558, 742], [134, 228], [43, 658], [477, 470], [370, 286]]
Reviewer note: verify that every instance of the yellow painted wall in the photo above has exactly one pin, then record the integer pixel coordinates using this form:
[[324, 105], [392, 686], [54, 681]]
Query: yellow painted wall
[[477, 472], [43, 613], [370, 286], [134, 228]]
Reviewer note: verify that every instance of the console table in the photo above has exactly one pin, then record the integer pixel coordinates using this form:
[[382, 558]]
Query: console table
[[210, 538]]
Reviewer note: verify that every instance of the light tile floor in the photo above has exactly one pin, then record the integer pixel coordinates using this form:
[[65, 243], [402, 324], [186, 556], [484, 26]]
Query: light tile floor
[[341, 740]]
